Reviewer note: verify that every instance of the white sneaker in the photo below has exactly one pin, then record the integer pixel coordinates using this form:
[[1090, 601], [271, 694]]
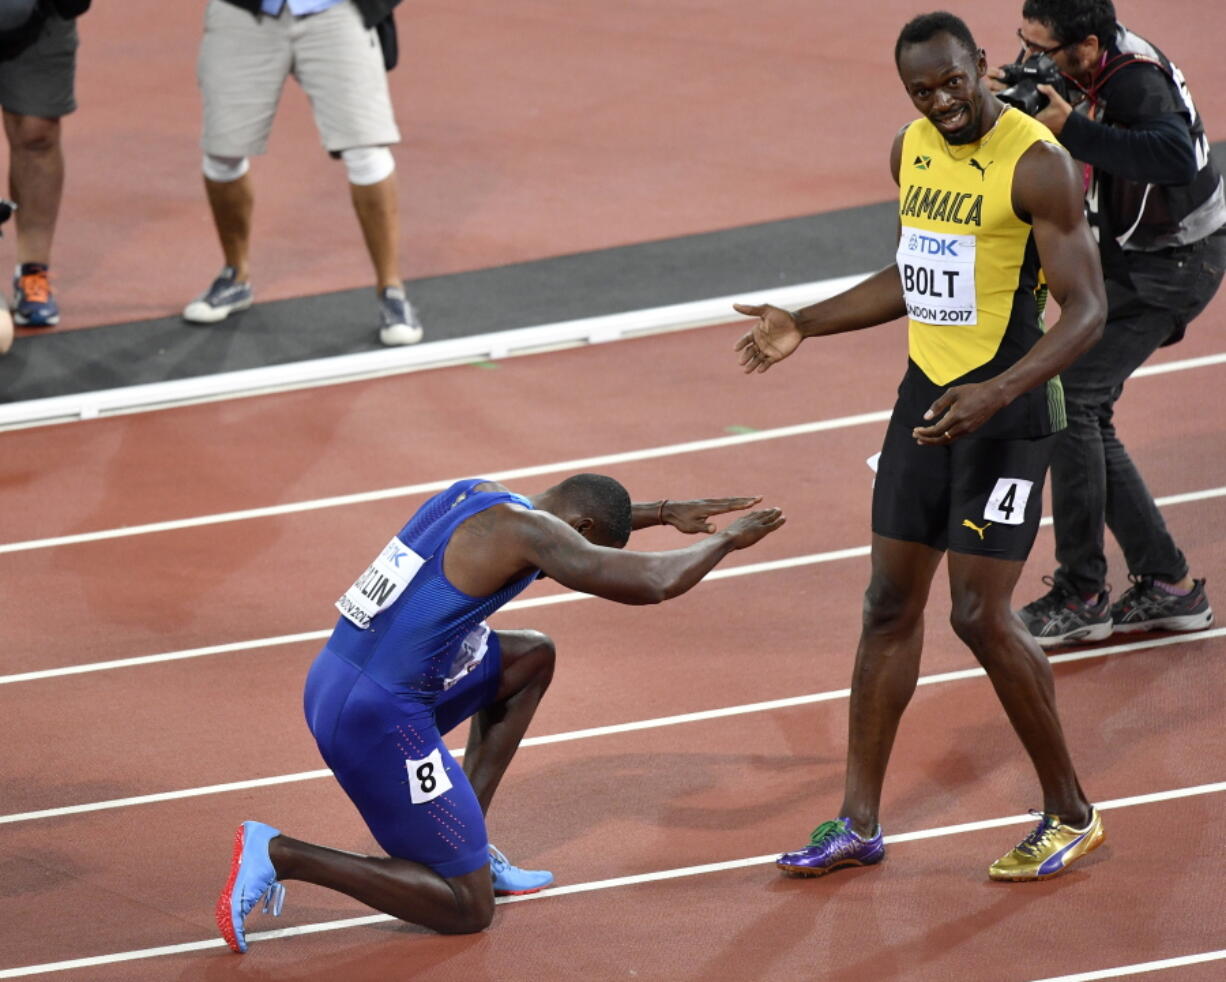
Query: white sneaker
[[400, 323], [225, 296]]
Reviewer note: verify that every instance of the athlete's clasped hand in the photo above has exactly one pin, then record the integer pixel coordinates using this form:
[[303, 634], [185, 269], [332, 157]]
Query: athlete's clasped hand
[[773, 338], [748, 529], [960, 411], [691, 516]]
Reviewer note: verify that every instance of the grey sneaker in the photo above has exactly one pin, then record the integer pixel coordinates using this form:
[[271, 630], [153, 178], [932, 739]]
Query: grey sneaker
[[400, 324], [1062, 617], [224, 297], [1145, 606]]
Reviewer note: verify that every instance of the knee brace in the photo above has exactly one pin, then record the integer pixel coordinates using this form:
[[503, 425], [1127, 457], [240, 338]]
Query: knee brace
[[223, 170], [368, 165]]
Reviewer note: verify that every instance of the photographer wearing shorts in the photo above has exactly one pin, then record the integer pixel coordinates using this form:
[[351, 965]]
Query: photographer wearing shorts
[[38, 53], [339, 51], [1156, 203]]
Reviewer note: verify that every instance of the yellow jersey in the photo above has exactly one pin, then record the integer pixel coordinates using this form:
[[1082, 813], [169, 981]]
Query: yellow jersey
[[968, 263]]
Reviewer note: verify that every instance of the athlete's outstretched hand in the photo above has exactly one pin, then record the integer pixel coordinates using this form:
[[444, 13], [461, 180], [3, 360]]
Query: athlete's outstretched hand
[[959, 411], [751, 528], [691, 516], [772, 339]]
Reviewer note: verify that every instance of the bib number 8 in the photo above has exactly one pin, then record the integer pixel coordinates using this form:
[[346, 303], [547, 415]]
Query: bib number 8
[[427, 778]]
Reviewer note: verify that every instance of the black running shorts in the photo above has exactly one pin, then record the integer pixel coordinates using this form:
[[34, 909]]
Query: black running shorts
[[981, 496]]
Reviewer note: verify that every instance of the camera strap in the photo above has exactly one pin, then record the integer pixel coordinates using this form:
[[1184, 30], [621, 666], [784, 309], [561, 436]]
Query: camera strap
[[1112, 66]]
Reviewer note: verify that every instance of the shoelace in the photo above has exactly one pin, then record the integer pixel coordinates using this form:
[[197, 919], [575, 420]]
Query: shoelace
[[825, 832], [1054, 599], [1140, 584], [274, 899], [1046, 826], [36, 287], [498, 862]]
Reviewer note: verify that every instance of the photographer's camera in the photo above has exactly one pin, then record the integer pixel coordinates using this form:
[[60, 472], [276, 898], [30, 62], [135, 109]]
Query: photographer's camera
[[1023, 79]]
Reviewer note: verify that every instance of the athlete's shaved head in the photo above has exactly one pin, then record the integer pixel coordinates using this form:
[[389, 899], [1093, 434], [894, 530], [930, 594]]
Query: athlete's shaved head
[[602, 499], [927, 26]]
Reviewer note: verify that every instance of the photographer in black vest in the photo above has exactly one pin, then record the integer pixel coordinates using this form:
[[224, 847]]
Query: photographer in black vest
[[1157, 206], [38, 53]]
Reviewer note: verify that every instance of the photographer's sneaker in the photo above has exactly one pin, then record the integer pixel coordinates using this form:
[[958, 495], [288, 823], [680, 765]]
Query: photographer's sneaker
[[400, 324], [1061, 616], [833, 845], [511, 881], [1146, 606], [33, 303], [252, 879], [225, 296], [1049, 849]]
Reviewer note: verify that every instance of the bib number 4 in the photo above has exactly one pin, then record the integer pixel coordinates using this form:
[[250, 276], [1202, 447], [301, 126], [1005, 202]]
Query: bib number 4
[[1007, 502]]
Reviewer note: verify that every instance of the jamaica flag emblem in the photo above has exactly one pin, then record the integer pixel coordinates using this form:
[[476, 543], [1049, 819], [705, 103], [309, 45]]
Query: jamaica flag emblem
[[922, 162]]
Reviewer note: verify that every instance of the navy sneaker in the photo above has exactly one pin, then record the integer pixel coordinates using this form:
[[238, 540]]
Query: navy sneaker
[[1061, 616], [225, 296], [511, 880], [1145, 606], [832, 846], [252, 879], [33, 303], [399, 323]]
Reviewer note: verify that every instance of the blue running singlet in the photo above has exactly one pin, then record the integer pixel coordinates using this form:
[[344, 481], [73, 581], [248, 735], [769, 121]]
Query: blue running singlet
[[410, 658]]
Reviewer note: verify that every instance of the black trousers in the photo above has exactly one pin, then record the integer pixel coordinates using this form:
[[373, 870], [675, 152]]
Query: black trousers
[[1093, 479]]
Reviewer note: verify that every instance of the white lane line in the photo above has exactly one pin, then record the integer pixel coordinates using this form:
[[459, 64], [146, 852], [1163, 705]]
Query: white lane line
[[557, 598], [1185, 364], [213, 649], [608, 884], [747, 569], [1139, 968], [586, 463], [612, 729], [364, 497]]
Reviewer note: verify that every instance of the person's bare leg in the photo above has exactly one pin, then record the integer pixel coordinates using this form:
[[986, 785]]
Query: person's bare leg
[[400, 887], [377, 208], [983, 617], [231, 203], [6, 329], [36, 182], [495, 732], [886, 670]]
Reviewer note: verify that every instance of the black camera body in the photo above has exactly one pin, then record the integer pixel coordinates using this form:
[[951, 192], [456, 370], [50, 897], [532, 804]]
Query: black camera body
[[1024, 78]]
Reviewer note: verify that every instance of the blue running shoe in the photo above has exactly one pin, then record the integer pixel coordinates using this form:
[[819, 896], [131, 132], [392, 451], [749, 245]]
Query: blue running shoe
[[33, 303], [512, 881], [225, 296], [832, 846], [251, 878]]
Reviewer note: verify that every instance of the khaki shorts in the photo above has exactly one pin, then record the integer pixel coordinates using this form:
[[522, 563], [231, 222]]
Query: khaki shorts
[[244, 62], [39, 81]]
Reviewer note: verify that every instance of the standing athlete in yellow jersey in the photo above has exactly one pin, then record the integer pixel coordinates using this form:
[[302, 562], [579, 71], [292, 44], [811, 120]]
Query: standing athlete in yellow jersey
[[986, 199]]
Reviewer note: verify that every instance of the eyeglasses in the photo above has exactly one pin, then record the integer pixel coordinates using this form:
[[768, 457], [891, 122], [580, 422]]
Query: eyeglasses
[[1036, 49]]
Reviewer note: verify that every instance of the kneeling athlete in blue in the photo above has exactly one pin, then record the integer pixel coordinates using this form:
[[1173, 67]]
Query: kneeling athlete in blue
[[411, 657]]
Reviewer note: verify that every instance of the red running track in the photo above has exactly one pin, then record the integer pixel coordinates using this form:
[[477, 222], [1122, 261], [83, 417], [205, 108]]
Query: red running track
[[618, 803]]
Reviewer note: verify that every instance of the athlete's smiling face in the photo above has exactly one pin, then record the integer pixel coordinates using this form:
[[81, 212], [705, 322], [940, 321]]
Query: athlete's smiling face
[[944, 81]]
